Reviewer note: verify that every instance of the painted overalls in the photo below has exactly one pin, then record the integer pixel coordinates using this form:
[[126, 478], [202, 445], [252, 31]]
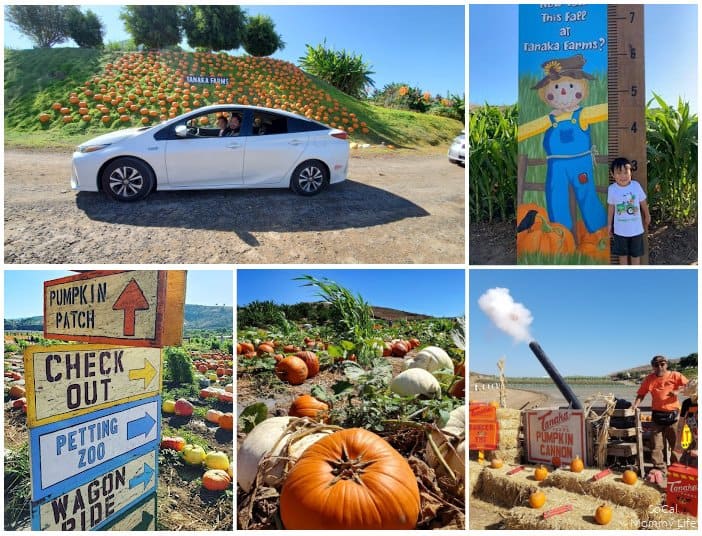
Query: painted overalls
[[569, 162]]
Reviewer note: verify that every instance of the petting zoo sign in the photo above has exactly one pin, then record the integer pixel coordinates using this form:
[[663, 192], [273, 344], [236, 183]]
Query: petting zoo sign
[[94, 409], [581, 104], [555, 433]]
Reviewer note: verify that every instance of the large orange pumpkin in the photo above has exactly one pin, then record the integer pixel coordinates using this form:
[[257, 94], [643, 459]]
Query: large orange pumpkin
[[292, 370], [594, 245], [576, 465], [308, 406], [546, 237], [312, 362], [524, 208], [350, 480]]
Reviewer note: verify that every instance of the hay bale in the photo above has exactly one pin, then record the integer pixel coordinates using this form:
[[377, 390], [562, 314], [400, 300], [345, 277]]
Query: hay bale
[[581, 517], [498, 487], [509, 456], [474, 471], [640, 497], [508, 414], [507, 439]]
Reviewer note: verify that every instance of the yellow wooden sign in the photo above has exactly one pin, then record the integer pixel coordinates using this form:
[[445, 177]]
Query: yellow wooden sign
[[92, 505], [138, 308], [68, 380]]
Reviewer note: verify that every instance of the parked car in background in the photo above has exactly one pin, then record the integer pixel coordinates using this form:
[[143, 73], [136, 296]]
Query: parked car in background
[[457, 151], [271, 149]]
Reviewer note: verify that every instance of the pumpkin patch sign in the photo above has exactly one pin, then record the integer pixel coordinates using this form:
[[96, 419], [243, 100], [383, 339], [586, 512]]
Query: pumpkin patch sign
[[563, 135]]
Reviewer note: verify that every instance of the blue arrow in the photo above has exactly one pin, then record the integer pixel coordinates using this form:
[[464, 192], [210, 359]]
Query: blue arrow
[[144, 477], [142, 425]]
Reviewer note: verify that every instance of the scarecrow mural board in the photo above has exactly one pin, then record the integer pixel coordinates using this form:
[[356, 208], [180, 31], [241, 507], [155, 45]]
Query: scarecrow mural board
[[563, 137]]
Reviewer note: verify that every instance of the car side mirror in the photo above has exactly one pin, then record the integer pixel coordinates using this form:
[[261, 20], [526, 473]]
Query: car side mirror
[[181, 131]]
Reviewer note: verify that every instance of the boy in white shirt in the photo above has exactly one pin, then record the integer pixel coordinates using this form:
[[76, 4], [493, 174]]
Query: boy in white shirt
[[628, 211]]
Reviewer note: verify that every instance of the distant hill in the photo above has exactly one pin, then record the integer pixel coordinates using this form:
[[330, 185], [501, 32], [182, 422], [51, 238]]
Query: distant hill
[[386, 313], [196, 317]]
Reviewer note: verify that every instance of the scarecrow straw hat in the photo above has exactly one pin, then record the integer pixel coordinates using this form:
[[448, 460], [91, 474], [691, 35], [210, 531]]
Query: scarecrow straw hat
[[571, 67]]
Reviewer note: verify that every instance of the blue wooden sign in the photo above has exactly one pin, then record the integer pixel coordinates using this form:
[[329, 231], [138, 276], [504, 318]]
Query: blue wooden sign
[[141, 517], [75, 451], [102, 500]]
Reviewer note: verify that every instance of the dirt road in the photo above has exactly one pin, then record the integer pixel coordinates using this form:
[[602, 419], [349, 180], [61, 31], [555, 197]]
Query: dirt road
[[397, 207]]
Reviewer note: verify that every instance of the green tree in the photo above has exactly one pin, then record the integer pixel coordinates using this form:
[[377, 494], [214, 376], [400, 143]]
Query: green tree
[[85, 29], [214, 27], [153, 26], [260, 38], [44, 25], [346, 72]]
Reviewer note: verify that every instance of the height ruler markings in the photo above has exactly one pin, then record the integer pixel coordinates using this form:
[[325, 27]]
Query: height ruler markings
[[626, 89]]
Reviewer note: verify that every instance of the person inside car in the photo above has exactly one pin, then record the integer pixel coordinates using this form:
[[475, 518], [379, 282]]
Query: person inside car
[[234, 125], [224, 129]]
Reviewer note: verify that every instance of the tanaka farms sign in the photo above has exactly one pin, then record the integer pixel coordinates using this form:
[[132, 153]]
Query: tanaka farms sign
[[555, 432]]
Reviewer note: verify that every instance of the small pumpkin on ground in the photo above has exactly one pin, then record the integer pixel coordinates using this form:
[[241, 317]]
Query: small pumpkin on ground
[[603, 514], [629, 477], [576, 465], [540, 473], [216, 480], [292, 370], [308, 406], [537, 499], [312, 362]]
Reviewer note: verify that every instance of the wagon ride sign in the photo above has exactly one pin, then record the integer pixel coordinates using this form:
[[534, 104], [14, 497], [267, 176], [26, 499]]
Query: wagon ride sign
[[94, 409]]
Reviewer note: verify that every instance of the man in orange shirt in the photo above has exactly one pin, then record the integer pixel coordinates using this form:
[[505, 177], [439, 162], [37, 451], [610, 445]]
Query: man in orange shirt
[[663, 386]]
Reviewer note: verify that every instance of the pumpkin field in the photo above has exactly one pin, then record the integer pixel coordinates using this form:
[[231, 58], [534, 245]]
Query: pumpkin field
[[194, 490], [354, 423]]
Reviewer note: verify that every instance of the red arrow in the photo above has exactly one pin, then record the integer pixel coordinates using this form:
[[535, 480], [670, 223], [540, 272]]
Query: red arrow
[[131, 300]]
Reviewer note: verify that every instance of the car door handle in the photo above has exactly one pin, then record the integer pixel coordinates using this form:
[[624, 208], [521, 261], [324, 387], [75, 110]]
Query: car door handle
[[296, 142], [233, 146]]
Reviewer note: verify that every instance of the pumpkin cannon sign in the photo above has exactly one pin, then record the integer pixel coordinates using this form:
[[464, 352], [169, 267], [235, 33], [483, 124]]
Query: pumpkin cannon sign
[[555, 433], [563, 135]]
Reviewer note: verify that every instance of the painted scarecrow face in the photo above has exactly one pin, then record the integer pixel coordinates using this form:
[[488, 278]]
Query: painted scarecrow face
[[564, 94]]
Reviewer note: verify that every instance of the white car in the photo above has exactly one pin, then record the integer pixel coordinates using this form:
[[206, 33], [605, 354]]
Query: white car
[[457, 151], [271, 149]]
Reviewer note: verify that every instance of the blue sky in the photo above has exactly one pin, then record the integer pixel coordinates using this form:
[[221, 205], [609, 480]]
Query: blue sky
[[670, 43], [436, 292], [589, 322], [423, 46], [24, 289]]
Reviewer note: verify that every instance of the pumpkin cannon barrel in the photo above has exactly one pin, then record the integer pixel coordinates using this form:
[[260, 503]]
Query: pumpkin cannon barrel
[[563, 387]]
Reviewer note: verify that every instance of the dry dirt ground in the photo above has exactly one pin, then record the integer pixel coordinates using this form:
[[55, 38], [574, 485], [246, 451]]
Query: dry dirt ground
[[398, 207], [495, 244]]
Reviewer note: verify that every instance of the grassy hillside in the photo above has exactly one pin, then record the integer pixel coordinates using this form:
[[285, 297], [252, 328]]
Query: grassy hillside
[[195, 317], [61, 96]]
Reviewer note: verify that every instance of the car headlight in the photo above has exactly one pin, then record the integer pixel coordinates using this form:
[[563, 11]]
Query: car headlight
[[91, 148]]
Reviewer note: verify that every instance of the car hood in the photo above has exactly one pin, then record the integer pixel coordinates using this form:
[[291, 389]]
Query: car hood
[[114, 137]]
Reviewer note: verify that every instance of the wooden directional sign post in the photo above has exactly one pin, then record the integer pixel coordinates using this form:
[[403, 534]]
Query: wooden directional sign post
[[139, 308], [77, 450], [68, 381], [94, 409], [89, 506]]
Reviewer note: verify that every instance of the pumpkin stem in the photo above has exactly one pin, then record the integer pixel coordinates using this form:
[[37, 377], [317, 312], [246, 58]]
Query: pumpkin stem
[[346, 468]]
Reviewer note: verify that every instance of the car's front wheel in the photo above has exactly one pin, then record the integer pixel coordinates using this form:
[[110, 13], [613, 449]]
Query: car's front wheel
[[127, 179], [309, 178]]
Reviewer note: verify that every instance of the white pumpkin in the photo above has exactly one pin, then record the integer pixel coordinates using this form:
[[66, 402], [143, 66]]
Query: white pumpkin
[[455, 457], [414, 382], [431, 358], [260, 442]]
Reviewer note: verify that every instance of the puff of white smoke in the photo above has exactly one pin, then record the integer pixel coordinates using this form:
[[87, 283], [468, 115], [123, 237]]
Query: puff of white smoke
[[511, 317]]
